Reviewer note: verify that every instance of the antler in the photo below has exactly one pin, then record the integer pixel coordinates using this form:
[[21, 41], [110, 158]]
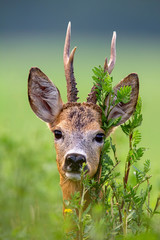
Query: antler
[[107, 68], [68, 67]]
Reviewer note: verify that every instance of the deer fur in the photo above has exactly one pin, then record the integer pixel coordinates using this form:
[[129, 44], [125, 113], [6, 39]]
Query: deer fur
[[76, 125]]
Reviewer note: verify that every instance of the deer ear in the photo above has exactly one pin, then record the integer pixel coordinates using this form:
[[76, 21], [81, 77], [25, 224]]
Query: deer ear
[[44, 97], [125, 110]]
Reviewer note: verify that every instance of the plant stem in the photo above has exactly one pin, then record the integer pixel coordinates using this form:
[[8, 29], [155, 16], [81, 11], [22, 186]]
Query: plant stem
[[112, 208], [148, 197], [117, 203], [125, 223], [157, 205], [80, 222], [107, 176], [127, 169]]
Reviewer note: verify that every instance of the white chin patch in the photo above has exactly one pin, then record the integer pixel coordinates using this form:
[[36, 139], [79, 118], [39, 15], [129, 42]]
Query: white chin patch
[[73, 176]]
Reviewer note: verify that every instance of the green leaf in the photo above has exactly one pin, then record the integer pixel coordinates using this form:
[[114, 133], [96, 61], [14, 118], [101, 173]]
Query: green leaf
[[127, 128], [95, 79], [136, 120], [113, 146], [138, 153], [136, 137], [106, 147], [146, 166], [113, 122], [123, 95], [139, 176], [139, 106]]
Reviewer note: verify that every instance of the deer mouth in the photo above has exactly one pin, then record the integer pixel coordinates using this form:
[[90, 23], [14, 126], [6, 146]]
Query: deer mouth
[[76, 175], [73, 176]]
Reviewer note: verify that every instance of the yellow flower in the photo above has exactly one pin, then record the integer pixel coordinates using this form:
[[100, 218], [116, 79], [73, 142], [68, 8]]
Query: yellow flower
[[67, 210]]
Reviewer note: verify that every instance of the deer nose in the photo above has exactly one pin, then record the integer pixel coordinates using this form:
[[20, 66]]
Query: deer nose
[[74, 162]]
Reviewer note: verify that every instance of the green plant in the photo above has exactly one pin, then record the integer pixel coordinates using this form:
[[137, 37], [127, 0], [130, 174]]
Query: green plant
[[120, 203]]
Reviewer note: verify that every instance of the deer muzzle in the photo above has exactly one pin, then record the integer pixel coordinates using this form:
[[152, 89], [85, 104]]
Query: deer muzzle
[[73, 166]]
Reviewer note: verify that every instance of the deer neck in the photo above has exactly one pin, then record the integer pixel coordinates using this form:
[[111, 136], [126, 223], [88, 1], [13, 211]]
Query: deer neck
[[69, 187]]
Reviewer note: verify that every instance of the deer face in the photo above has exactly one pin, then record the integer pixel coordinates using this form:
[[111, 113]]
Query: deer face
[[78, 139], [76, 126]]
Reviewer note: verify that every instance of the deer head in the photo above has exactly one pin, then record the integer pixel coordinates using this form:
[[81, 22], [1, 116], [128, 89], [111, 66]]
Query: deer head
[[76, 126]]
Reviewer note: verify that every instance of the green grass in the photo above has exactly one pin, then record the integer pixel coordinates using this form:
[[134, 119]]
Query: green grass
[[30, 196]]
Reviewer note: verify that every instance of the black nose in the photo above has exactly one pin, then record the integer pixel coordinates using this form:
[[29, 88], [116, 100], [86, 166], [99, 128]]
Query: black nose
[[74, 162]]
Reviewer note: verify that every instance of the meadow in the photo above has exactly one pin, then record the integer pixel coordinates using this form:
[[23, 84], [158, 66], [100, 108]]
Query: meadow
[[30, 195]]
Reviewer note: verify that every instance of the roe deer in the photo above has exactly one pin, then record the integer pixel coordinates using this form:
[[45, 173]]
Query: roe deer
[[76, 126]]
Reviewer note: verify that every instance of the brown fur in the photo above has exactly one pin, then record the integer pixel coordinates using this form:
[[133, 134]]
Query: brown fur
[[79, 115]]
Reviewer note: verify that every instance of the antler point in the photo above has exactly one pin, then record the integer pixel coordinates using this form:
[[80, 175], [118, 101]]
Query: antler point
[[69, 25]]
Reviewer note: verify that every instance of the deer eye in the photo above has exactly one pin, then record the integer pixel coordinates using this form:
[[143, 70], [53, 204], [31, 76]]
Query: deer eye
[[57, 134], [99, 137]]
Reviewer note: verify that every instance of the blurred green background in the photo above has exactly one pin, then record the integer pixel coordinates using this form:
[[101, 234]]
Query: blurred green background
[[32, 34]]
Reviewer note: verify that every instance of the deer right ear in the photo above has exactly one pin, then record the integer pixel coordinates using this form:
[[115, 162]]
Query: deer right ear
[[44, 97], [125, 110]]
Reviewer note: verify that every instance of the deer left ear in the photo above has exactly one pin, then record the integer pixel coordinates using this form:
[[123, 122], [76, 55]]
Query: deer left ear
[[125, 110]]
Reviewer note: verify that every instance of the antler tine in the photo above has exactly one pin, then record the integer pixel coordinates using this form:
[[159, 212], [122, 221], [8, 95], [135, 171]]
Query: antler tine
[[68, 67], [92, 98], [112, 60], [108, 67]]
